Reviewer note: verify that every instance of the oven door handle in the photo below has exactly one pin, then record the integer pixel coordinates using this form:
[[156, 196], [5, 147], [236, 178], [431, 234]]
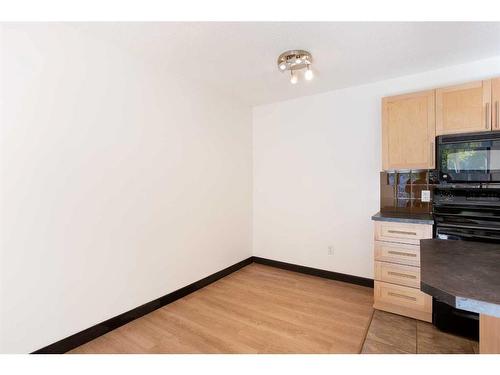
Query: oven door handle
[[479, 204], [471, 236], [473, 215], [449, 225], [442, 218]]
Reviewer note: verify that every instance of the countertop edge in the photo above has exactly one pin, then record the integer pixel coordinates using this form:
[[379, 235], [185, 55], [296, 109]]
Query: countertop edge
[[479, 307], [462, 303], [439, 294], [378, 217]]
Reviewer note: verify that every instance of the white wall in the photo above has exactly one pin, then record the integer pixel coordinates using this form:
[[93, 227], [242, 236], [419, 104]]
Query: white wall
[[119, 183], [316, 170]]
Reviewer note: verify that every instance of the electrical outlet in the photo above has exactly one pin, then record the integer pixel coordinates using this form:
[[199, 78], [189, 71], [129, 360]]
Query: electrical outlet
[[330, 250], [425, 196]]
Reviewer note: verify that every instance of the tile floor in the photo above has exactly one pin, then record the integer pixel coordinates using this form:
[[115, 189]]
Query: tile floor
[[395, 334]]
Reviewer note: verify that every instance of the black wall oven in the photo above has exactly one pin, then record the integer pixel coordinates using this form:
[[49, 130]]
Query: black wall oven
[[466, 158]]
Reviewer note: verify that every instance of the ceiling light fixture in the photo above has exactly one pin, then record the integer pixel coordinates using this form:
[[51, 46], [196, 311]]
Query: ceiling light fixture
[[295, 61]]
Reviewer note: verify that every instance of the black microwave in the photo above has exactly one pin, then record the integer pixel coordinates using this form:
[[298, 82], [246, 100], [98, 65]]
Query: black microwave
[[472, 157]]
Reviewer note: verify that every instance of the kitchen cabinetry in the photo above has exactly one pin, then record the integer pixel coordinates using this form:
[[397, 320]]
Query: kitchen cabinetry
[[464, 108], [411, 122], [397, 269], [408, 131], [495, 104]]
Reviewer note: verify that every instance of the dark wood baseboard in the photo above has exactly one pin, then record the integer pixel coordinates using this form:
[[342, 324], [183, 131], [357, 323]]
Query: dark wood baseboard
[[82, 337], [363, 281], [100, 329]]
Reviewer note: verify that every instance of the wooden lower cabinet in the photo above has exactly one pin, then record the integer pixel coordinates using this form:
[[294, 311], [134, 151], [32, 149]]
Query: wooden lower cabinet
[[398, 274], [489, 334], [403, 300], [406, 233], [397, 269], [397, 253]]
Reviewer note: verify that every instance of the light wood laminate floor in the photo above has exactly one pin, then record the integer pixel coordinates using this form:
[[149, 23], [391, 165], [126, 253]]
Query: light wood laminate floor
[[258, 309]]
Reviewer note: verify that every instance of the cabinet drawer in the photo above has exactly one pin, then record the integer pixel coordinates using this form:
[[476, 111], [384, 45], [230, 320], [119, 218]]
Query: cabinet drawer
[[397, 253], [403, 300], [397, 274], [402, 232]]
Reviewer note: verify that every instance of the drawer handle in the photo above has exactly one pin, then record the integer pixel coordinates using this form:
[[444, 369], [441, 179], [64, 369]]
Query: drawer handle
[[402, 232], [399, 274], [402, 253], [404, 296]]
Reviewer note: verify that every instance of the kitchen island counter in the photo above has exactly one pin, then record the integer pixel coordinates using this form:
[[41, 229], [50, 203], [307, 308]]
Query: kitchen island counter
[[465, 275]]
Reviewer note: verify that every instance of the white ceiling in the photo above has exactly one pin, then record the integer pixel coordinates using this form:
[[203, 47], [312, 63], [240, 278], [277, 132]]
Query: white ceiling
[[240, 58]]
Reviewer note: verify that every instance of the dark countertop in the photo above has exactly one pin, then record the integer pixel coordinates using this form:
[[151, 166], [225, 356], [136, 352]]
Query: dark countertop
[[463, 274], [403, 217]]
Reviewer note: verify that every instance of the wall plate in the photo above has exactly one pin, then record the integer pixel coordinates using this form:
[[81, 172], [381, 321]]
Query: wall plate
[[425, 196]]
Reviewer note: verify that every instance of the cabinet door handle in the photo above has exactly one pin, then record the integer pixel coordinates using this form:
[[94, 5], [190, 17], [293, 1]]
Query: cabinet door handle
[[402, 232], [432, 153], [486, 117], [404, 296], [402, 253], [399, 274], [497, 121]]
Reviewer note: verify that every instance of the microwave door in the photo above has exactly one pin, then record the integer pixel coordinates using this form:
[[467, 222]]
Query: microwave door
[[466, 161]]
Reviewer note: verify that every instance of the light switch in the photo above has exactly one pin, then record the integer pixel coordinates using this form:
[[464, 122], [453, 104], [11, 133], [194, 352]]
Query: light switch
[[425, 196]]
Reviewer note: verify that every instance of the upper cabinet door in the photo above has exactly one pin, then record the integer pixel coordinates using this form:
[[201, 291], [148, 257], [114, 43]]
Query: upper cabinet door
[[408, 131], [464, 108], [495, 103]]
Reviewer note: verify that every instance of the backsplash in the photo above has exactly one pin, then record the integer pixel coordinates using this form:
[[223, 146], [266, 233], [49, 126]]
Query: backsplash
[[401, 191]]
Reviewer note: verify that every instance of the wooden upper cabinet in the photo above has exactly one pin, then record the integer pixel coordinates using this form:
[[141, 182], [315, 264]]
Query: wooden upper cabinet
[[408, 131], [495, 104], [464, 108]]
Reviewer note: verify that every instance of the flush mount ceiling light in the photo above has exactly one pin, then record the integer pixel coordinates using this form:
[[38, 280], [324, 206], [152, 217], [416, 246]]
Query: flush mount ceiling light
[[296, 61]]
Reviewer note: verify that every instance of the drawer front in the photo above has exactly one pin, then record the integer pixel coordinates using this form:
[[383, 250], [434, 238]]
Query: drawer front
[[397, 274], [402, 232], [397, 253], [402, 296]]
